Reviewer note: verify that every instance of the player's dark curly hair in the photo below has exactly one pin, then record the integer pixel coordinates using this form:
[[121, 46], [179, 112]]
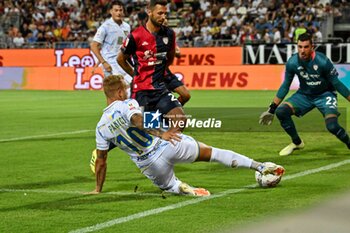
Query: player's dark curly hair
[[305, 37], [153, 3], [116, 3]]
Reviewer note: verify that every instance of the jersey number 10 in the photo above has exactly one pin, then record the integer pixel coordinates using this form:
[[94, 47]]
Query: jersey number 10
[[138, 136]]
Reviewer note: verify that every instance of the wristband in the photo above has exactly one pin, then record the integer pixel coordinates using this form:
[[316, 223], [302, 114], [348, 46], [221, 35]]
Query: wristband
[[272, 108], [103, 62]]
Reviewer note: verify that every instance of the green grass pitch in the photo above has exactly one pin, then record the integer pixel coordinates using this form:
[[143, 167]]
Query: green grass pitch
[[46, 138]]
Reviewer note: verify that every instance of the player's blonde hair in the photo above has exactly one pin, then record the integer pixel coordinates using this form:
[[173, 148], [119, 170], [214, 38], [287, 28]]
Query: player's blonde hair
[[112, 83]]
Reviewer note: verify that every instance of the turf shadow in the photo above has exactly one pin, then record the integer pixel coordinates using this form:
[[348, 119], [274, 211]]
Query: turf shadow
[[50, 183], [87, 202]]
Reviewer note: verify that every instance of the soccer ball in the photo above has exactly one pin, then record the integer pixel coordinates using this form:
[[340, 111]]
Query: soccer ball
[[267, 181]]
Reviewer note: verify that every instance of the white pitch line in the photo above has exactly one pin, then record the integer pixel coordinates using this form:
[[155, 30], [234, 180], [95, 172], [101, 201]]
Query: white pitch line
[[316, 170], [44, 135], [197, 200], [75, 192]]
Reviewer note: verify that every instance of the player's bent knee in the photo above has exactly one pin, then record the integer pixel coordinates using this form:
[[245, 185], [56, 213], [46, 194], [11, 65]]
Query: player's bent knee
[[283, 112], [186, 96], [177, 114], [332, 125], [177, 110], [204, 152]]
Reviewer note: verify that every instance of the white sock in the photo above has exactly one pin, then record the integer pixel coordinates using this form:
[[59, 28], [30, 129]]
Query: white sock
[[174, 186], [230, 158]]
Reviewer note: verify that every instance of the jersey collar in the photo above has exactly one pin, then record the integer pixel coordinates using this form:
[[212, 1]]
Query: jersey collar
[[313, 55], [112, 21], [109, 106]]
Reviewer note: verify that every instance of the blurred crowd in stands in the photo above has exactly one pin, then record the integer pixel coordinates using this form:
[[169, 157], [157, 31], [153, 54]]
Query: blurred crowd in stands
[[196, 22]]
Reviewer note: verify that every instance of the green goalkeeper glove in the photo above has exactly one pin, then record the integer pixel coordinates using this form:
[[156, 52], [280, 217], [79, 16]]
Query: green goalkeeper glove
[[266, 118]]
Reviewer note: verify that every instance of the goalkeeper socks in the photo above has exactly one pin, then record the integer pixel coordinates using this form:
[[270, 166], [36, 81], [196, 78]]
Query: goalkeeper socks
[[284, 114], [230, 158], [334, 128]]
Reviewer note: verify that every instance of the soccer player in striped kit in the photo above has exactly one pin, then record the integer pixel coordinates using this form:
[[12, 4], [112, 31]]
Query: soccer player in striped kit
[[152, 48]]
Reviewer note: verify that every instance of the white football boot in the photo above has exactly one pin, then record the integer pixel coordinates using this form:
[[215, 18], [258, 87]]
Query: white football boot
[[93, 160], [290, 148], [185, 189]]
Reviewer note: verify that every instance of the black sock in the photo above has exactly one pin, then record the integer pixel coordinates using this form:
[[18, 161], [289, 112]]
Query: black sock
[[334, 128], [284, 114]]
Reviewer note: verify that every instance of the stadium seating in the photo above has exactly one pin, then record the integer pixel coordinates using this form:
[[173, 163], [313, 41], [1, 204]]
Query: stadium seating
[[224, 23]]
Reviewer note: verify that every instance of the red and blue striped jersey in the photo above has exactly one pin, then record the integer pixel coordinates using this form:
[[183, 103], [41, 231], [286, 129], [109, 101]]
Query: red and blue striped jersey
[[149, 52]]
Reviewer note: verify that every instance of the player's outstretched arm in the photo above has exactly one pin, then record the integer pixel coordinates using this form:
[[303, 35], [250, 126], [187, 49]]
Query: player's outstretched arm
[[177, 52], [95, 67], [171, 135], [101, 169], [95, 48], [342, 89], [266, 117], [122, 60]]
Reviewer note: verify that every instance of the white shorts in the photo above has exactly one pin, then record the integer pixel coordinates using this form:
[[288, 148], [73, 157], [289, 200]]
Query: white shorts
[[161, 171], [116, 69]]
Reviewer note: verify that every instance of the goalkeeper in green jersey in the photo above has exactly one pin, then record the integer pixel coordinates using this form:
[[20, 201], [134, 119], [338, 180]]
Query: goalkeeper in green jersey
[[319, 82]]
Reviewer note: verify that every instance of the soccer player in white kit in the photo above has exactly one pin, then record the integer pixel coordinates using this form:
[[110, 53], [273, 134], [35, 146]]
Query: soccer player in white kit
[[155, 152], [108, 39]]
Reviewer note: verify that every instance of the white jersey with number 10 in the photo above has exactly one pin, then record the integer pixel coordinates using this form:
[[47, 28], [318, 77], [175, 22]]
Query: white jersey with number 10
[[115, 127]]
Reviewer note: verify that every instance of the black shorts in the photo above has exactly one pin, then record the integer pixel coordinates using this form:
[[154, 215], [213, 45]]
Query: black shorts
[[163, 101], [172, 82]]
